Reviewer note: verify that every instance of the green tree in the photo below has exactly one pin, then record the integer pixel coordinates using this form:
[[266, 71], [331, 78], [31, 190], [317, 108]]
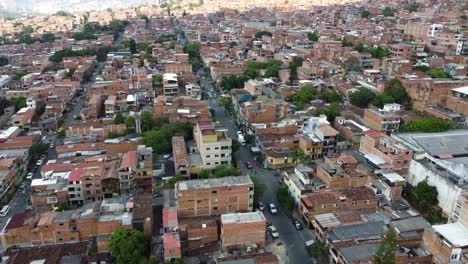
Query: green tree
[[63, 207], [346, 43], [425, 196], [38, 149], [232, 82], [436, 73], [388, 11], [129, 121], [331, 97], [17, 76], [101, 53], [312, 36], [297, 156], [118, 118], [359, 47], [48, 37], [379, 52], [259, 189], [4, 103], [147, 121], [259, 34], [133, 46], [426, 125], [386, 253], [305, 94], [362, 97], [412, 8], [397, 91], [421, 68], [3, 61], [224, 171], [18, 102], [381, 99], [286, 201], [128, 246], [40, 108], [226, 102], [319, 252], [365, 14]]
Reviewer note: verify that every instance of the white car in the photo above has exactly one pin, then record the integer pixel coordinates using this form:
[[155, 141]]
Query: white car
[[29, 176], [273, 209], [273, 232], [39, 163]]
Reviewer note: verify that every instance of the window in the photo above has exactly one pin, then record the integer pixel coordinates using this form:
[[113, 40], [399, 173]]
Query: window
[[223, 155], [216, 147], [214, 192], [207, 148], [216, 156], [207, 156], [215, 208]]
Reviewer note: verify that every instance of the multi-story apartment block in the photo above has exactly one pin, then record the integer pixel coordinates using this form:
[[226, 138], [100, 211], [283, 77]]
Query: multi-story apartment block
[[170, 84], [181, 158], [136, 170], [384, 151], [311, 146], [213, 143], [214, 196], [386, 119]]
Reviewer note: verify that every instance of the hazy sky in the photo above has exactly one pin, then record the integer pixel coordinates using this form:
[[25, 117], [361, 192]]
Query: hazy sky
[[52, 6]]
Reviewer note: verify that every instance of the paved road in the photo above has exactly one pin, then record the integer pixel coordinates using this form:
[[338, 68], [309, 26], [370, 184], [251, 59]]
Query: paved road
[[293, 239]]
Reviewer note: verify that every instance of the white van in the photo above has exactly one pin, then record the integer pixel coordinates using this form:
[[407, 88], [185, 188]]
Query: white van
[[5, 210]]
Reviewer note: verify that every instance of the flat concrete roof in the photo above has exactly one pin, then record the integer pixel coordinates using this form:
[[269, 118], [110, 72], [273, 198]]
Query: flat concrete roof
[[451, 142], [213, 183], [456, 233], [242, 217]]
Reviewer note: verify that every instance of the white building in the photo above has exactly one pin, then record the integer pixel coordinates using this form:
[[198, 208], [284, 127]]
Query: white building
[[170, 84], [213, 143]]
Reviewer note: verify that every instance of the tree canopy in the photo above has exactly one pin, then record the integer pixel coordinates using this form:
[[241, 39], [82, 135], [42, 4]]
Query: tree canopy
[[312, 36], [304, 95], [386, 253], [319, 252], [128, 246], [286, 201], [388, 11], [436, 73], [426, 125], [259, 34], [160, 137], [118, 118], [362, 97], [3, 61]]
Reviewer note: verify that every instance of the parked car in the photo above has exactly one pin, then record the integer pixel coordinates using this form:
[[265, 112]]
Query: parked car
[[273, 209], [297, 224], [29, 176], [268, 223], [43, 157], [261, 206], [273, 232], [281, 181], [39, 163], [249, 165]]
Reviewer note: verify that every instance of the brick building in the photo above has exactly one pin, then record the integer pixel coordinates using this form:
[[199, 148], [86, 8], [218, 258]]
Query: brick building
[[384, 151], [214, 196], [386, 119], [239, 230], [329, 201]]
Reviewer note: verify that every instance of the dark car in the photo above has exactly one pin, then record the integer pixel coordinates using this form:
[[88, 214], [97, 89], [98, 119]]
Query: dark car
[[297, 224], [248, 164], [261, 206]]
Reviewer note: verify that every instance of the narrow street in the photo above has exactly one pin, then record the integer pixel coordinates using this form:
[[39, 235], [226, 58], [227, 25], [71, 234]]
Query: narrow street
[[293, 239]]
